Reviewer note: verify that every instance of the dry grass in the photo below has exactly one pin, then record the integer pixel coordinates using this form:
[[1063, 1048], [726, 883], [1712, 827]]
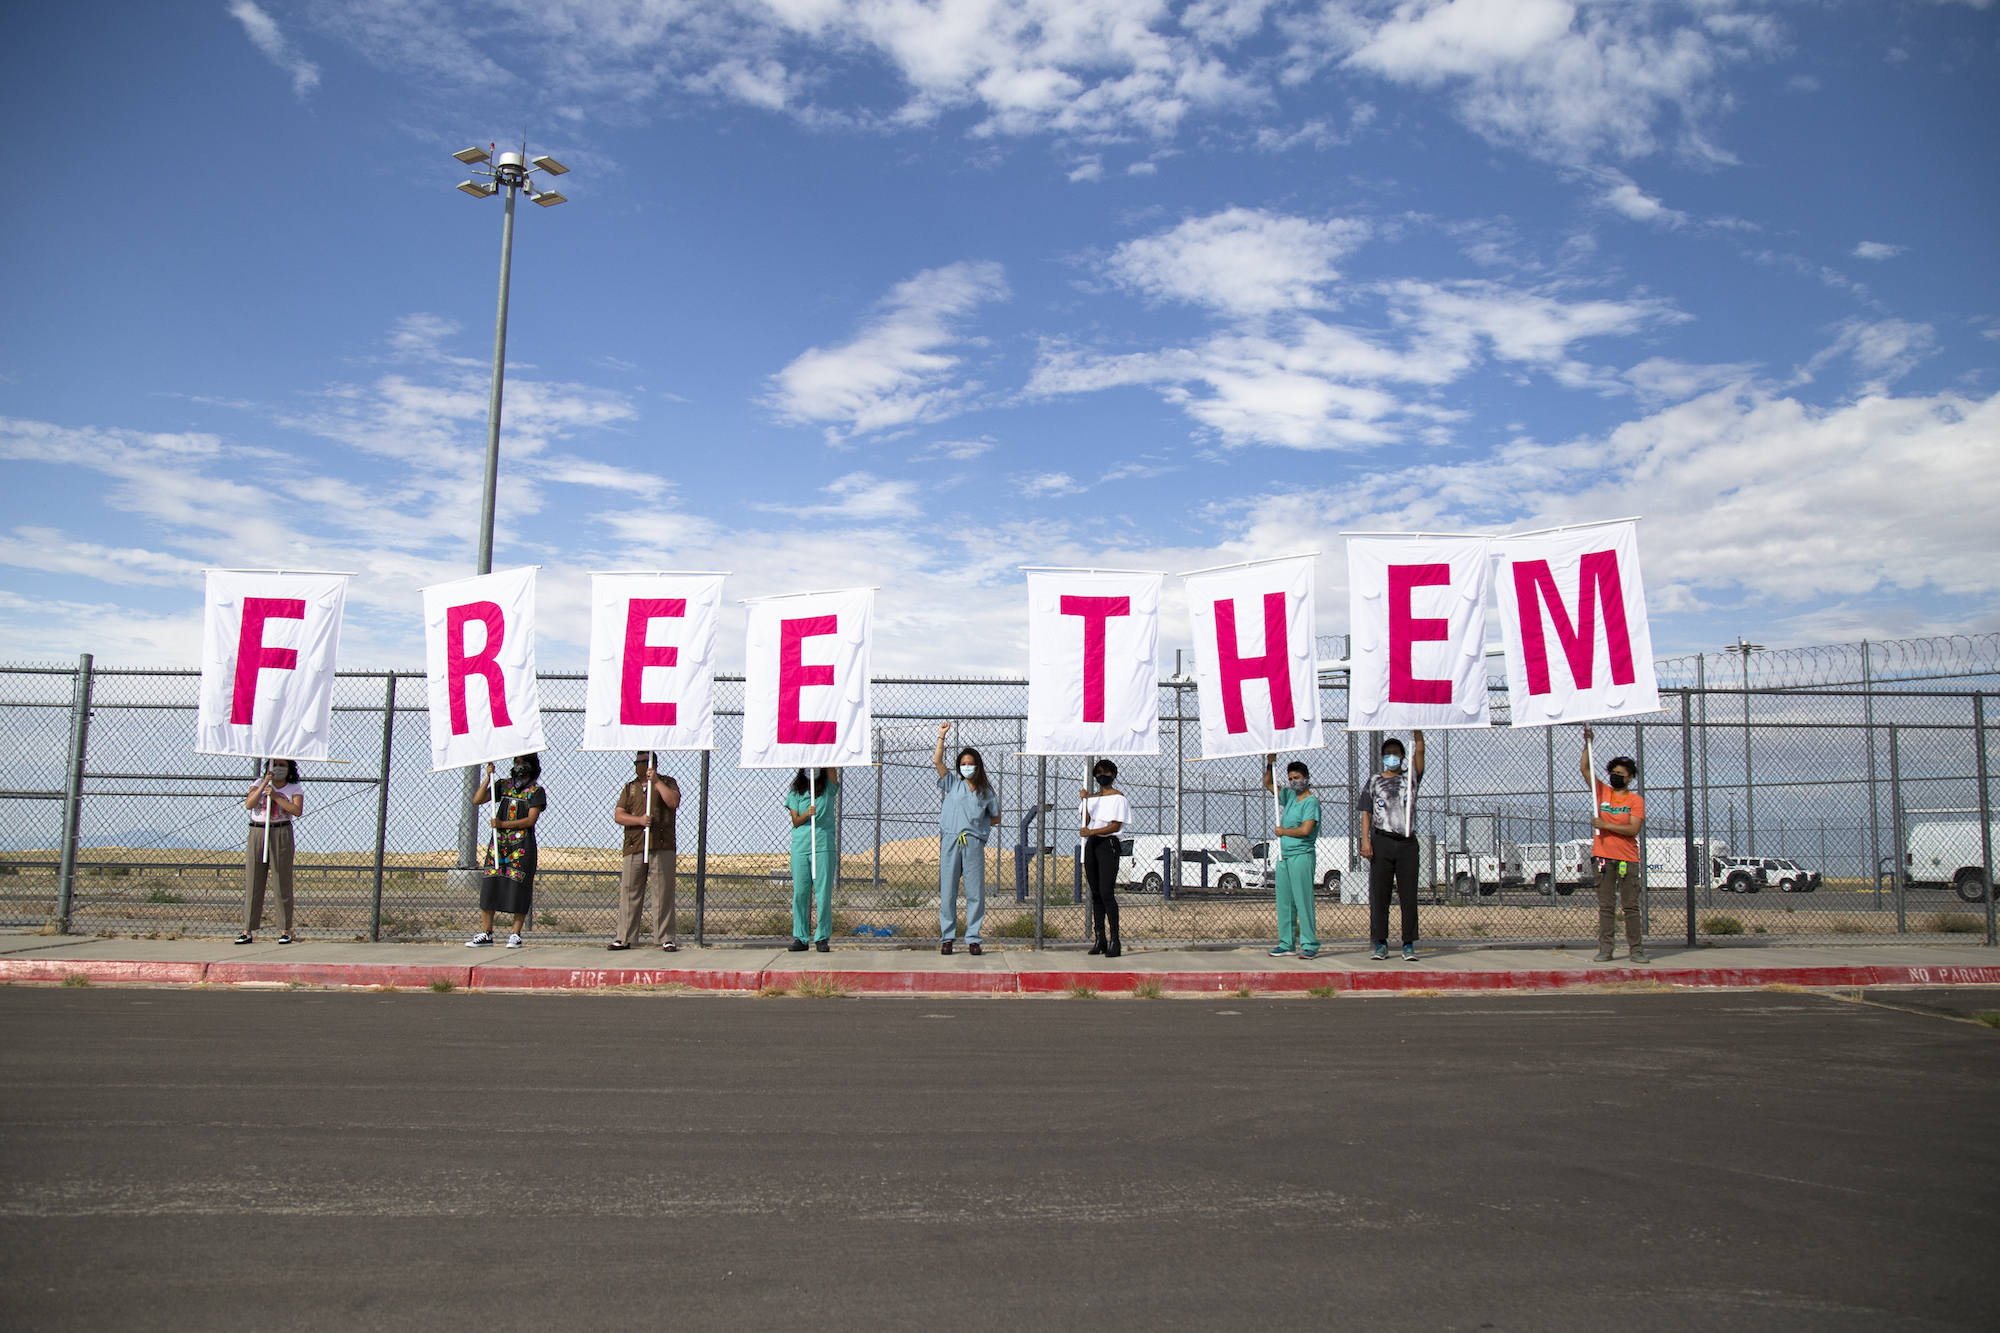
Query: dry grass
[[1322, 992], [76, 979], [384, 989], [1784, 988], [1427, 993], [443, 985], [1988, 1017], [1243, 992], [1082, 992], [1149, 990], [772, 992], [1643, 986], [812, 987]]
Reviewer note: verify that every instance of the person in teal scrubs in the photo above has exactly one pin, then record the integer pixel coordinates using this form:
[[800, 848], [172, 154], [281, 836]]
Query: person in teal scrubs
[[966, 818], [1298, 863], [810, 804]]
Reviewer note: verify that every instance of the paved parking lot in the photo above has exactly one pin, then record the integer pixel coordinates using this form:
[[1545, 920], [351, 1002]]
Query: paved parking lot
[[1770, 1161]]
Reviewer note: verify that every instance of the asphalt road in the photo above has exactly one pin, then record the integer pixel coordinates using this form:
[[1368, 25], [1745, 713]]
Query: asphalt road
[[222, 1160]]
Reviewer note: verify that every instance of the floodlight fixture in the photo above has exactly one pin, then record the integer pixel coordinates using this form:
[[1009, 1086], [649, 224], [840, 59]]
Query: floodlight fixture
[[549, 198], [479, 189], [550, 165], [473, 156]]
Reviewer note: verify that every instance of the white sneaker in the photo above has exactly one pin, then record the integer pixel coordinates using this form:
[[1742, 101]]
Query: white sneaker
[[513, 941], [480, 941]]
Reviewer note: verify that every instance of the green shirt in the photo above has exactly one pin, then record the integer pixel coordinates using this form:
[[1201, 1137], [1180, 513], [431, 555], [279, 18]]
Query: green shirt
[[798, 802], [1297, 810]]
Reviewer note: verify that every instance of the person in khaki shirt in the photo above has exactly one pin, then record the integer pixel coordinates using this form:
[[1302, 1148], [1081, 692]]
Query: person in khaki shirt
[[641, 862]]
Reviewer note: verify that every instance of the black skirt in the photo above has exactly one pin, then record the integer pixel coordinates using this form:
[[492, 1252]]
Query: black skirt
[[510, 893]]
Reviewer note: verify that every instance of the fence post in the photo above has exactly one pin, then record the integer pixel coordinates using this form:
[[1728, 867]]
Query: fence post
[[1180, 798], [1645, 890], [382, 805], [1690, 861], [1896, 818], [701, 861], [1707, 838], [1041, 842], [880, 764], [1985, 810], [1549, 748], [79, 743], [1874, 819]]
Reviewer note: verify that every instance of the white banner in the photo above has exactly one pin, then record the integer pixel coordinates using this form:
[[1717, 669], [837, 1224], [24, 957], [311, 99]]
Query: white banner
[[1417, 611], [1093, 662], [1573, 617], [652, 662], [479, 656], [806, 695], [1254, 637], [267, 653]]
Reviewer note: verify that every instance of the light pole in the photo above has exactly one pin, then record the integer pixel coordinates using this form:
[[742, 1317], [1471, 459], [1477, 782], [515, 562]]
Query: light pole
[[513, 172], [1743, 648]]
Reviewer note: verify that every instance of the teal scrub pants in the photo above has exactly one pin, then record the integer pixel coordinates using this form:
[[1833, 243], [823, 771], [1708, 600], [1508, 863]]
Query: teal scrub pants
[[1297, 928], [806, 891]]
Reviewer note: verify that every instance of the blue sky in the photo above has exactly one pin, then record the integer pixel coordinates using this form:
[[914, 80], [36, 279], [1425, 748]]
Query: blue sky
[[911, 294]]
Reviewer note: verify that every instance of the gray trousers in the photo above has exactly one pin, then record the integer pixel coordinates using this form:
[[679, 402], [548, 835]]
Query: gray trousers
[[632, 879], [256, 874]]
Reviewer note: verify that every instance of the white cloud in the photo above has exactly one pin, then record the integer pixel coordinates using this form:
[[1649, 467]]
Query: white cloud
[[53, 552], [269, 39], [1286, 377], [1878, 250], [1882, 351], [1090, 168], [892, 373], [1658, 380], [858, 495], [1240, 261], [1557, 79], [1038, 485], [959, 451], [1622, 195]]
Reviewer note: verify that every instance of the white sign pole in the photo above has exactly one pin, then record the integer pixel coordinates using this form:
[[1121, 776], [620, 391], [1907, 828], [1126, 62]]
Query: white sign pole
[[646, 839], [812, 825], [267, 811]]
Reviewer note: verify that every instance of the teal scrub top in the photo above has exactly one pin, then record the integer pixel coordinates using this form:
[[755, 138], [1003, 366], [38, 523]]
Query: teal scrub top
[[965, 810], [798, 802], [1298, 809]]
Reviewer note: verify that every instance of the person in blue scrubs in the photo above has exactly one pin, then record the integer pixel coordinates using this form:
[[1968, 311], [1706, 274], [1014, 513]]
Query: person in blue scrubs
[[970, 807], [810, 805]]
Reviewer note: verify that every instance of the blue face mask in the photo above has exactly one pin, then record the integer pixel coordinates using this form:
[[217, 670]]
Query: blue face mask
[[966, 771], [1391, 762]]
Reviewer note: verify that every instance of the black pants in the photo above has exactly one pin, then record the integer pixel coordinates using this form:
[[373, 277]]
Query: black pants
[[1394, 868], [1100, 871]]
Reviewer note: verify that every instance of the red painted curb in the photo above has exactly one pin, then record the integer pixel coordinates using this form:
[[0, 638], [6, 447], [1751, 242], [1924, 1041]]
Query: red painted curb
[[950, 983], [502, 977], [109, 972], [416, 976]]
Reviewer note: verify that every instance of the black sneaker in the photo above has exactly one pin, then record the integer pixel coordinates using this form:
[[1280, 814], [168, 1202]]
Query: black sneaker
[[797, 945], [285, 938], [945, 948], [822, 946], [245, 938]]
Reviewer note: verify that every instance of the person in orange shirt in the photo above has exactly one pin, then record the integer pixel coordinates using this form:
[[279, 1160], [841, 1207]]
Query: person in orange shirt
[[1620, 815]]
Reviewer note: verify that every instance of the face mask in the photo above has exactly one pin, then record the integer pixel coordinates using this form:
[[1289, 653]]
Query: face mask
[[1299, 784], [966, 771], [1391, 762], [518, 772], [1618, 780], [1103, 779]]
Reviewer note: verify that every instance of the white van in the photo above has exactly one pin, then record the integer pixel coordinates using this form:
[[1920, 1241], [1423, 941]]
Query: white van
[[1572, 866], [1949, 855], [1666, 864]]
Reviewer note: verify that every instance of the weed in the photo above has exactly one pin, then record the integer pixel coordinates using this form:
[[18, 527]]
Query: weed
[[573, 928], [1082, 992], [1849, 928], [1758, 930], [49, 928], [1149, 989], [390, 990], [1243, 992], [772, 993], [1956, 923], [1022, 927], [546, 919], [1427, 993], [820, 988], [76, 979], [162, 896], [1322, 992], [1479, 927], [404, 874], [1790, 910], [772, 923], [295, 985], [1988, 1017], [443, 985], [1722, 925]]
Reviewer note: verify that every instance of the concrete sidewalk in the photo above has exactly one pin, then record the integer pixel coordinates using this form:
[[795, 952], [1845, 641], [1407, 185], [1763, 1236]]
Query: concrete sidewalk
[[52, 958]]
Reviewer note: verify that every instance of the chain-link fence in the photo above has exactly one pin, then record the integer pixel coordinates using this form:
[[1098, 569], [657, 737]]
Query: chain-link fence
[[1836, 798]]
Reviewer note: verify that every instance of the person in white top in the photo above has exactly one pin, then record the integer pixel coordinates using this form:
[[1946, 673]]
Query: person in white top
[[1103, 815], [274, 802]]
